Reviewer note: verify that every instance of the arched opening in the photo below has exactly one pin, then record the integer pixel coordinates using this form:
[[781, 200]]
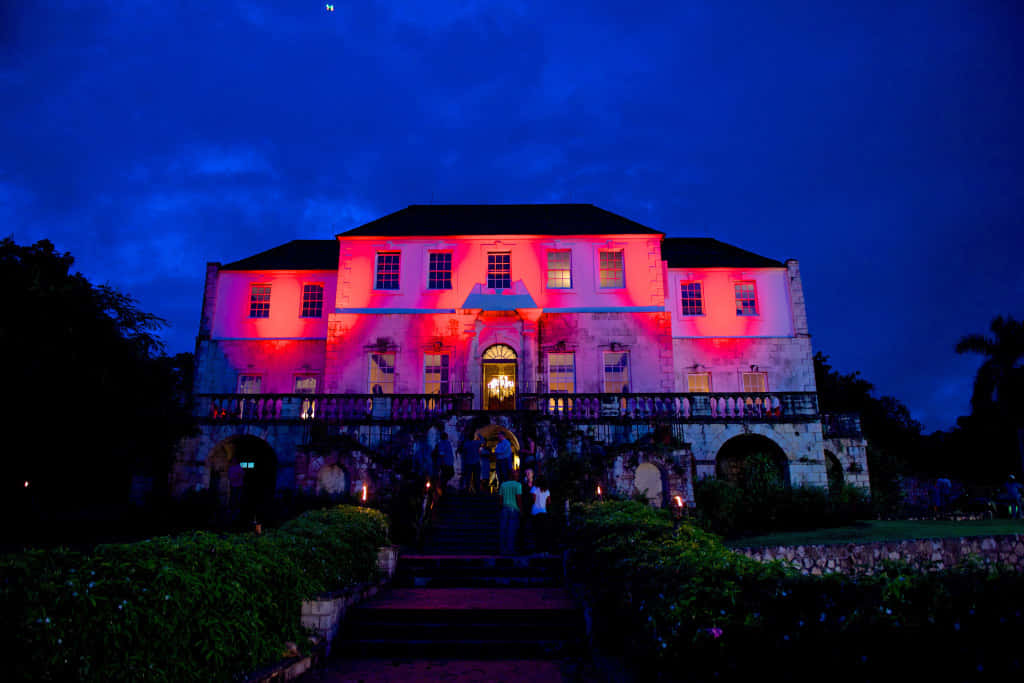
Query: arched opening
[[834, 471], [648, 481], [754, 463], [499, 377], [243, 475]]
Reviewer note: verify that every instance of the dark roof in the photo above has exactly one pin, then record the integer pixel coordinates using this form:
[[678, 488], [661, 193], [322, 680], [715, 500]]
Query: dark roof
[[294, 255], [707, 252], [437, 220]]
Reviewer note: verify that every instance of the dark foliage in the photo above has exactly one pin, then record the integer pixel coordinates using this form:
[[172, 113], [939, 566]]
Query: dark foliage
[[92, 398]]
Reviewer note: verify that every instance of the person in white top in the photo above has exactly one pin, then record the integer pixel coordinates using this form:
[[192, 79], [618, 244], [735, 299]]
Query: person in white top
[[541, 526]]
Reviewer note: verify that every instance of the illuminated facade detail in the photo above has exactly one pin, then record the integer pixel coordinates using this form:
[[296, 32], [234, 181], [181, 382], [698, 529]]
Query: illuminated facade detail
[[312, 301], [440, 275], [613, 270], [259, 301], [559, 269], [382, 373], [436, 367], [499, 270], [537, 312], [746, 298], [616, 372], [692, 298], [561, 373], [698, 382], [387, 270]]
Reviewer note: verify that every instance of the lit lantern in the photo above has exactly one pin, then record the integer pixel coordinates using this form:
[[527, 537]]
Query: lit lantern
[[598, 490], [679, 501], [364, 493], [26, 484]]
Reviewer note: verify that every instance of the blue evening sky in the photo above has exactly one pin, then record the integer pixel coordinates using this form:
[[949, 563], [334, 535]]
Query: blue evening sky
[[878, 142]]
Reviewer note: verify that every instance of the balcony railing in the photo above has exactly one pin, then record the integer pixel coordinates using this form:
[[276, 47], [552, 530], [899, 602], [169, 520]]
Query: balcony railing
[[777, 406], [339, 408], [329, 407]]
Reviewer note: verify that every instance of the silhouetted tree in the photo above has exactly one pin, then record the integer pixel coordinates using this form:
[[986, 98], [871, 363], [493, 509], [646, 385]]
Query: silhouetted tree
[[91, 397], [997, 402]]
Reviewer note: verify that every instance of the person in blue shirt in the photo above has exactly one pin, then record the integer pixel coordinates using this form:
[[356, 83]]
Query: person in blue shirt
[[503, 457], [470, 452], [445, 461]]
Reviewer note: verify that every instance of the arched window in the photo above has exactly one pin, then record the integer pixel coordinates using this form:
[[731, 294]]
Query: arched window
[[500, 352]]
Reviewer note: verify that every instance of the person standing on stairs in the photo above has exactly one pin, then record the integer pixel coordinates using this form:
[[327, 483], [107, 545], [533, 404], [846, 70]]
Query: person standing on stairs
[[503, 457], [511, 493], [445, 461]]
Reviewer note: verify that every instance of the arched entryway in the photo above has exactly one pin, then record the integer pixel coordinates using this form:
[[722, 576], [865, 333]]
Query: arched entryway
[[752, 462], [499, 377], [648, 481], [243, 475], [834, 470]]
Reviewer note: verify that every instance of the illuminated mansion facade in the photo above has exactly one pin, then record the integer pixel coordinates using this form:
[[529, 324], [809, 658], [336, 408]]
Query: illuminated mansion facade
[[529, 317]]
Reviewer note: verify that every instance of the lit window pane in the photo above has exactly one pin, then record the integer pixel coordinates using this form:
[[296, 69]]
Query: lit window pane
[[562, 373], [616, 372], [436, 372], [305, 384], [250, 384], [382, 373], [612, 269], [259, 301], [560, 269], [755, 382], [699, 382]]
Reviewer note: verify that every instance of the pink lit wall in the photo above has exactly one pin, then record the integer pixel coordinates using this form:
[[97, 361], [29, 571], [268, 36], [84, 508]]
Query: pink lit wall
[[774, 312], [231, 313], [643, 282]]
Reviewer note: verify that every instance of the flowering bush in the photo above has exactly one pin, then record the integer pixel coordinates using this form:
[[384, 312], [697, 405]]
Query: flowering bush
[[198, 606], [686, 604]]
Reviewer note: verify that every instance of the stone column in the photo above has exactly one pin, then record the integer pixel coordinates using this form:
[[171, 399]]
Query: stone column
[[530, 361]]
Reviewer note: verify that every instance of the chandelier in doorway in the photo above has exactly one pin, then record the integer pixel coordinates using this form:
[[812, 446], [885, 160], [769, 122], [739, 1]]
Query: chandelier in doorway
[[501, 387]]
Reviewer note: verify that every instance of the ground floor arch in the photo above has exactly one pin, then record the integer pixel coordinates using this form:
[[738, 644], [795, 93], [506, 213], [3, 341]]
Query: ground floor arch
[[499, 368], [752, 461], [648, 481], [243, 475]]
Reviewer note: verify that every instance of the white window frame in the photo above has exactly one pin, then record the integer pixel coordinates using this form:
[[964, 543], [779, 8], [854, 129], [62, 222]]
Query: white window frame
[[490, 253], [257, 305], [302, 303], [372, 378], [552, 383], [604, 372], [258, 376], [567, 270], [736, 298], [621, 251], [444, 385], [744, 384], [305, 375], [451, 269], [682, 300], [377, 263]]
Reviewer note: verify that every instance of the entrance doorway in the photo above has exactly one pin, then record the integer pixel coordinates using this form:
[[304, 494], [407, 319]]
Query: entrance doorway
[[499, 378]]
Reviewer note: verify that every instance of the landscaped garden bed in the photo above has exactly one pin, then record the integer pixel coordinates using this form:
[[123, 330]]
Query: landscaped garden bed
[[680, 605], [198, 606]]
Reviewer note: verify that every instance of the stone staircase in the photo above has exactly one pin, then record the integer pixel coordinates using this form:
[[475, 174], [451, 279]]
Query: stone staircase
[[459, 600]]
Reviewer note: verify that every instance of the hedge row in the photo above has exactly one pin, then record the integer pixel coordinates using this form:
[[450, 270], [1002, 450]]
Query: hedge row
[[690, 608], [199, 606]]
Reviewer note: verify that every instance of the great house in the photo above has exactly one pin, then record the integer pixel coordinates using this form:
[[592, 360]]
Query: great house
[[316, 357]]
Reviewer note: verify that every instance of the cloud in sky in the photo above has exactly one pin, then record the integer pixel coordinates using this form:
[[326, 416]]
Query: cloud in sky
[[877, 144]]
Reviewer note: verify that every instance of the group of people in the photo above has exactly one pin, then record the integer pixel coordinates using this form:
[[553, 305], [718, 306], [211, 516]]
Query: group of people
[[524, 520]]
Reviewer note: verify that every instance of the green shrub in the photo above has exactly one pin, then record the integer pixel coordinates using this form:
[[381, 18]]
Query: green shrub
[[198, 606], [681, 605]]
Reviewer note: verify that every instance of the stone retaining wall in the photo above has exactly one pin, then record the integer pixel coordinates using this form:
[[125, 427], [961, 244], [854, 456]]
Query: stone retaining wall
[[864, 558]]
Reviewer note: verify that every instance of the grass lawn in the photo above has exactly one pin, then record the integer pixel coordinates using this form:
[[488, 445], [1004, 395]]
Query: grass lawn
[[895, 530]]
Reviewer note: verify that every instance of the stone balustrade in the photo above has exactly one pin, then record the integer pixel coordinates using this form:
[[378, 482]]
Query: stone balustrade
[[331, 408], [775, 406]]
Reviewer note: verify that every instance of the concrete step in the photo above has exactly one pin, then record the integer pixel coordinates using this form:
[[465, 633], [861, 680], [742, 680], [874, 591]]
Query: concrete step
[[453, 570]]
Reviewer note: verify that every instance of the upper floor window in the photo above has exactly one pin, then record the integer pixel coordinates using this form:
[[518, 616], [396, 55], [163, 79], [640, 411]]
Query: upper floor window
[[692, 296], [499, 270], [436, 368], [440, 272], [616, 371], [755, 382], [560, 269], [312, 301], [305, 383], [259, 301], [613, 271], [698, 382], [562, 373], [387, 270], [382, 373], [746, 298], [250, 384]]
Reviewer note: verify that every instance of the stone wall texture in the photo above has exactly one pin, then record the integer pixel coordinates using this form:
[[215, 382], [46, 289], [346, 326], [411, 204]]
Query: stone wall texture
[[865, 558]]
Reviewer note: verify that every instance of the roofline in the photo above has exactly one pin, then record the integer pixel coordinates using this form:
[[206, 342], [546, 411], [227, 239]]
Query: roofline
[[515, 235]]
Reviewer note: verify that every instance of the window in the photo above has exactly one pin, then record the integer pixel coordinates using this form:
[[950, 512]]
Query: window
[[698, 382], [440, 273], [755, 382], [746, 299], [499, 270], [312, 301], [560, 269], [435, 373], [616, 372], [612, 270], [562, 373], [692, 296], [387, 270], [305, 384], [250, 384], [382, 373], [259, 301]]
